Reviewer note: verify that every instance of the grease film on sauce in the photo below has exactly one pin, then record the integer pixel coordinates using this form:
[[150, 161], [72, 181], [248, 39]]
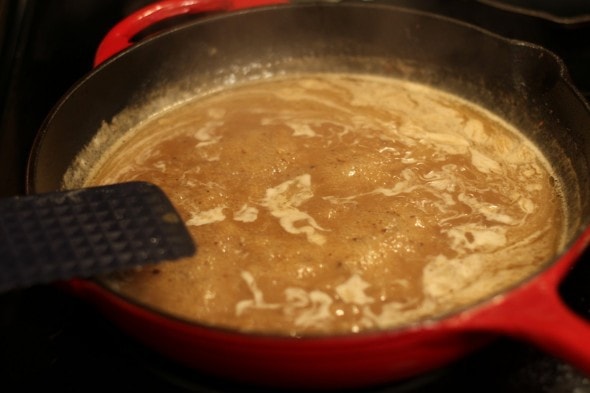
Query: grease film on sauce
[[337, 203]]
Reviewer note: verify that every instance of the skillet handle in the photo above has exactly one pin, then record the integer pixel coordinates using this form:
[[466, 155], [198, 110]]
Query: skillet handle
[[537, 314], [122, 34]]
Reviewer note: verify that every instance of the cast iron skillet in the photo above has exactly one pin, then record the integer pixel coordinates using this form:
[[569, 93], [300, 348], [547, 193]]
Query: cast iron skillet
[[523, 83]]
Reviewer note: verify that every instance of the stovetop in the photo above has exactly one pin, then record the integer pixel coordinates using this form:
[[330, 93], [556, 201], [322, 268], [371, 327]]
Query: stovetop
[[50, 341]]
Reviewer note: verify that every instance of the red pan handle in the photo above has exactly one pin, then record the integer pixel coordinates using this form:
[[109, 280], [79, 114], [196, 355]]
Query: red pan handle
[[121, 35], [536, 313]]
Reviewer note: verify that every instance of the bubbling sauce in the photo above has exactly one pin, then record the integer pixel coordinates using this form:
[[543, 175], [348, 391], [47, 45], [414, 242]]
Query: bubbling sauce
[[338, 203]]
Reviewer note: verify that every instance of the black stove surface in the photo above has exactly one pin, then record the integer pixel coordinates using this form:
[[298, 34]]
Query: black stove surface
[[50, 341]]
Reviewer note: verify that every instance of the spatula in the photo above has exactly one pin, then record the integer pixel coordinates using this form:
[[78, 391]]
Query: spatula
[[87, 232]]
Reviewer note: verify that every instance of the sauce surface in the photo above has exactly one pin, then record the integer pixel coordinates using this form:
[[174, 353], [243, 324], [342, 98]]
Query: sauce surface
[[336, 203]]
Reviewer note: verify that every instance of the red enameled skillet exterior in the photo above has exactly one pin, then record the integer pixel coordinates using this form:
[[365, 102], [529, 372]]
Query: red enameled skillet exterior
[[531, 311]]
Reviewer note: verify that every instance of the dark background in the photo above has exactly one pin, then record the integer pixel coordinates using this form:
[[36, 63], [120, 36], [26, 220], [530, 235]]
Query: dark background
[[50, 341]]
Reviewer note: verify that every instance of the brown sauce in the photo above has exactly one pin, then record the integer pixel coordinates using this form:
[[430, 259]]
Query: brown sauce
[[338, 203]]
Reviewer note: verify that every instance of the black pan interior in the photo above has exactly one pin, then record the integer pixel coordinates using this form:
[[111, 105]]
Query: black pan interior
[[522, 83]]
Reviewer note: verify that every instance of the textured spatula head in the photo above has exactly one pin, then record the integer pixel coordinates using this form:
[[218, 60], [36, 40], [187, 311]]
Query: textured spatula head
[[87, 232]]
